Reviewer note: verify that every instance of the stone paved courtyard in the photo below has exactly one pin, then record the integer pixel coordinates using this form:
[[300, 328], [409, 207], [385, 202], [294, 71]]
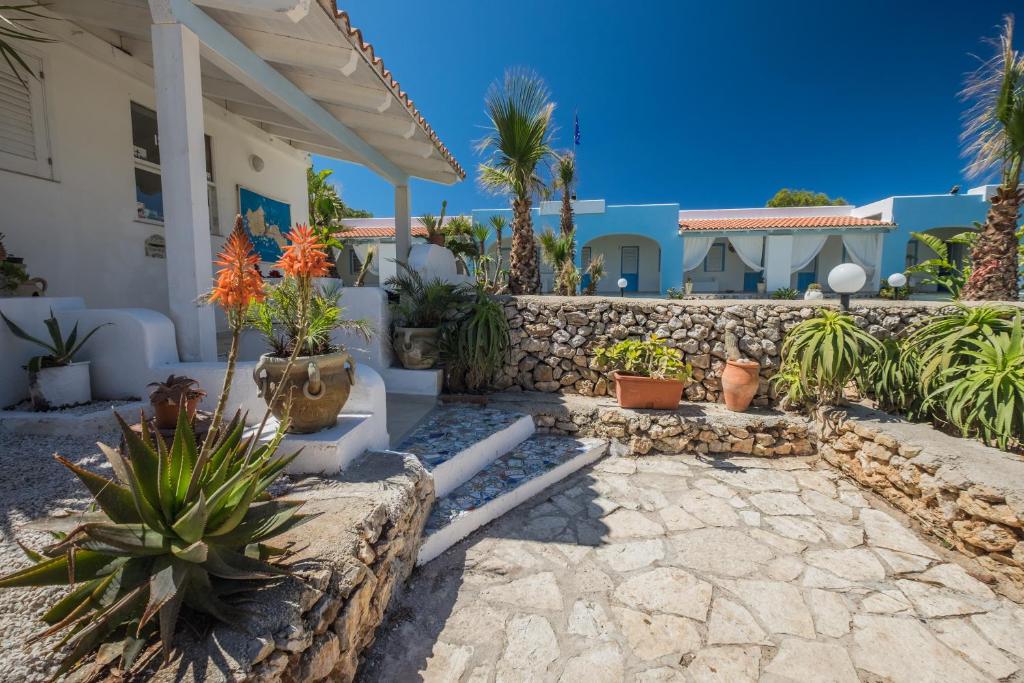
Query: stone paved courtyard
[[675, 568]]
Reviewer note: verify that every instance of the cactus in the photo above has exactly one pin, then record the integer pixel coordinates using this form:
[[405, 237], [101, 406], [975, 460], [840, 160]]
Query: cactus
[[732, 347]]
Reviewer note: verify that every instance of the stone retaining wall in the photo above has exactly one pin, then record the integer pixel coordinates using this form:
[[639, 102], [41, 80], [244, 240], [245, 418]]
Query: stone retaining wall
[[969, 495], [554, 338], [316, 623], [692, 428]]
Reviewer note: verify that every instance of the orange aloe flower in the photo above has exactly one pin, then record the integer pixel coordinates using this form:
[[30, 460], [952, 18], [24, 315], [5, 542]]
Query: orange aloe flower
[[239, 282], [305, 256]]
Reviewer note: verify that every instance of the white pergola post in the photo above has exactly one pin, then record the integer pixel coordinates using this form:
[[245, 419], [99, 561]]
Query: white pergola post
[[403, 223], [778, 258], [179, 106]]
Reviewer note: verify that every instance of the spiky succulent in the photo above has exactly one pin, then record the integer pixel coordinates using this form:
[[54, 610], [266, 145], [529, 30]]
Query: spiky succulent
[[178, 527]]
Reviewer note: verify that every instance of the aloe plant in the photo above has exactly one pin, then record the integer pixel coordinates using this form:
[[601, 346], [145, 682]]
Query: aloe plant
[[648, 358], [61, 351], [176, 531], [824, 353], [984, 396], [893, 377]]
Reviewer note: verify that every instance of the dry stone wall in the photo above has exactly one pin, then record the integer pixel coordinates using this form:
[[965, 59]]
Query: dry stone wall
[[316, 623], [969, 495], [554, 339]]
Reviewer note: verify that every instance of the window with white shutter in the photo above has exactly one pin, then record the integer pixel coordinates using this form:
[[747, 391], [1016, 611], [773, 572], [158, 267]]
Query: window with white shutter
[[24, 141]]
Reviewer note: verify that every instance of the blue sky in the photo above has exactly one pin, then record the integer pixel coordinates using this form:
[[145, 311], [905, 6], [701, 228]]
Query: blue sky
[[709, 104]]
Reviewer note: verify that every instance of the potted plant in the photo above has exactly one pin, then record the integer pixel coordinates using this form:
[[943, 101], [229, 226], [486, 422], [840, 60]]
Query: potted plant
[[762, 286], [435, 226], [813, 292], [688, 286], [55, 380], [418, 313], [647, 374], [297, 318], [170, 396]]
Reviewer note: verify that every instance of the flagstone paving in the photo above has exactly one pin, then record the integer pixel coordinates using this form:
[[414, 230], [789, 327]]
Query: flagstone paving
[[674, 568]]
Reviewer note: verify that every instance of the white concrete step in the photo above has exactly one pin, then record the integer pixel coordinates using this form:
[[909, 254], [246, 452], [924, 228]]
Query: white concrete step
[[509, 481], [458, 440]]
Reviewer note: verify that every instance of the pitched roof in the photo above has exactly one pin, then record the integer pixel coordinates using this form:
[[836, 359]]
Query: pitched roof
[[385, 231], [780, 223]]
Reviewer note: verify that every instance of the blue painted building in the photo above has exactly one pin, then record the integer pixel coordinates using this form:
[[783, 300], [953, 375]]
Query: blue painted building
[[655, 247]]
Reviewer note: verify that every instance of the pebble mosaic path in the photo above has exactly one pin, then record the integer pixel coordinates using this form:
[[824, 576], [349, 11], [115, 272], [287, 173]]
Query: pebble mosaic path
[[676, 568], [449, 429]]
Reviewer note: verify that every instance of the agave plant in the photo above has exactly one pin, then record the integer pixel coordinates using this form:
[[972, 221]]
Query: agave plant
[[942, 341], [985, 395], [175, 532], [893, 377], [824, 353], [61, 351], [476, 347]]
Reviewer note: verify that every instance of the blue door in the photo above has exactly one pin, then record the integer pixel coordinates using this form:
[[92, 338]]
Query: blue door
[[750, 280], [803, 280], [585, 263], [630, 261]]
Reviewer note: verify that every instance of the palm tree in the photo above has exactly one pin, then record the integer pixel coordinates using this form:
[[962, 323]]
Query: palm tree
[[557, 251], [480, 234], [498, 224], [993, 138], [566, 179], [518, 144]]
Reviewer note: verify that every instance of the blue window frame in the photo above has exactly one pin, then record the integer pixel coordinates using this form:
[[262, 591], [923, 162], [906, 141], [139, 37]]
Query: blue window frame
[[913, 257], [714, 262]]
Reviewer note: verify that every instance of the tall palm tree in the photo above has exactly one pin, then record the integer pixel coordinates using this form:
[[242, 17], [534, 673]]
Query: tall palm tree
[[566, 180], [498, 224], [518, 143], [993, 138], [325, 205]]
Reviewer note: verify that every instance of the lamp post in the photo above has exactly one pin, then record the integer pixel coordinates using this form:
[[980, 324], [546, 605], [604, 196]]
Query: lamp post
[[897, 281], [845, 279], [622, 286]]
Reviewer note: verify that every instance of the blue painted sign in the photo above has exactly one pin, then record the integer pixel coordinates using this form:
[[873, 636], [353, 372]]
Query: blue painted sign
[[266, 220]]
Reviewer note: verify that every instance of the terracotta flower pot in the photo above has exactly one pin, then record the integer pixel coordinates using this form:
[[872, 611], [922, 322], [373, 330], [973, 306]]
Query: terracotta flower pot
[[739, 383], [636, 391], [318, 387], [166, 412]]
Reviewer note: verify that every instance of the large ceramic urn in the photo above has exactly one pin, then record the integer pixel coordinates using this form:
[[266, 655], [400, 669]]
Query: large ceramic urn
[[739, 383], [416, 347], [316, 386]]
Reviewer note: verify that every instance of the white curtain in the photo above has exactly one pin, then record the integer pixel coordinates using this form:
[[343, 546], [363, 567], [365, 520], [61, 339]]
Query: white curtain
[[361, 249], [865, 251], [750, 250], [695, 249], [805, 248]]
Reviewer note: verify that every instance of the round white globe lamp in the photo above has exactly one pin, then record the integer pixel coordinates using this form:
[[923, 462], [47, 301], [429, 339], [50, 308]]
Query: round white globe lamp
[[846, 278], [896, 281], [622, 286]]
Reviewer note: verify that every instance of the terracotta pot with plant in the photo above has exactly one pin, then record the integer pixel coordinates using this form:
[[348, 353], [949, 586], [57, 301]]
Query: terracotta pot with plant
[[740, 378], [306, 376], [170, 396], [647, 374], [419, 312], [55, 380], [813, 292]]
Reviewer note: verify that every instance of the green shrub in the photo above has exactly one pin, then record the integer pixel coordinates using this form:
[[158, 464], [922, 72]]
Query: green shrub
[[649, 358], [177, 529], [984, 396], [785, 293], [893, 377], [475, 347], [822, 354]]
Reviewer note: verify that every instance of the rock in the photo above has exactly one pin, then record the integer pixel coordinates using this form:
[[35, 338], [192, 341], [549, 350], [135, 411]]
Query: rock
[[666, 589], [588, 619], [721, 551], [799, 660], [678, 519], [530, 646], [731, 624], [855, 564], [651, 636], [778, 605], [932, 601], [780, 504], [904, 651], [831, 617], [725, 664], [631, 524], [601, 664], [958, 635], [795, 527], [991, 537], [884, 531], [1004, 629], [538, 591], [446, 663], [624, 557]]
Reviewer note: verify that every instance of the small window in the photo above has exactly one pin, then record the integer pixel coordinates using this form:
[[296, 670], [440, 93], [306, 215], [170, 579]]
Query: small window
[[24, 139], [714, 262], [354, 264], [149, 205], [913, 258]]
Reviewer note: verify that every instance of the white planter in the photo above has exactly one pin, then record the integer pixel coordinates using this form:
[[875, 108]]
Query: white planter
[[813, 294], [59, 387]]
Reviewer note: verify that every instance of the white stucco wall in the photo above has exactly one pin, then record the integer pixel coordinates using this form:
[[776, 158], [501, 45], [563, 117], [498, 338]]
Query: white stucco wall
[[649, 269], [80, 231], [731, 280]]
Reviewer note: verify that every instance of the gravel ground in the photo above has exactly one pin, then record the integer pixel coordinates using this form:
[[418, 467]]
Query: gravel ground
[[82, 409], [34, 485]]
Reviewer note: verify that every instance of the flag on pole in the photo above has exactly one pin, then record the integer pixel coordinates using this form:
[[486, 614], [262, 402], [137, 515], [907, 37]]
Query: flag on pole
[[576, 130]]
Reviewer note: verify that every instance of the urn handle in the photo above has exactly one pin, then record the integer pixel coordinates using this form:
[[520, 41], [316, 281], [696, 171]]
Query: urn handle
[[262, 379], [350, 368], [313, 388]]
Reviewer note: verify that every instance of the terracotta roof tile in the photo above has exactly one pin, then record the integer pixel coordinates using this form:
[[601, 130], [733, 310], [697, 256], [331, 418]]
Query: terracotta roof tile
[[385, 75], [380, 231], [782, 222]]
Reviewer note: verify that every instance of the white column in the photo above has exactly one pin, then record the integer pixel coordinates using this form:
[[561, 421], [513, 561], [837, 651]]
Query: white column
[[778, 255], [179, 106], [403, 223]]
